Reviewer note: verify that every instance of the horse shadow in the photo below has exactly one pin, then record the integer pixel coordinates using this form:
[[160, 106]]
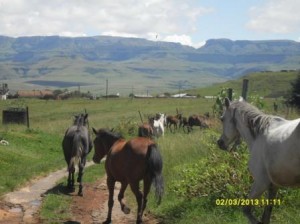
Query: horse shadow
[[60, 188]]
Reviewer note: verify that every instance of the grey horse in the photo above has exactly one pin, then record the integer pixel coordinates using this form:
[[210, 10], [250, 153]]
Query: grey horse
[[76, 145]]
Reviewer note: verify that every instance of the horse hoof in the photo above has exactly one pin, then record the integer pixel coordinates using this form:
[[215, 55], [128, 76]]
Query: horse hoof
[[80, 194], [107, 222], [126, 210]]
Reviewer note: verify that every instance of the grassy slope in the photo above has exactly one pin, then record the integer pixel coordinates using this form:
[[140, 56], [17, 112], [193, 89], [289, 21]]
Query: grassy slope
[[272, 84]]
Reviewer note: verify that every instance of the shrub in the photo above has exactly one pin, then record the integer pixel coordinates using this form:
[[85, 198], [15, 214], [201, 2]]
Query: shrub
[[220, 175]]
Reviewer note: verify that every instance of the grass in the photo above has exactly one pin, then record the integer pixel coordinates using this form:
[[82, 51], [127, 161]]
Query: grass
[[36, 151], [266, 84]]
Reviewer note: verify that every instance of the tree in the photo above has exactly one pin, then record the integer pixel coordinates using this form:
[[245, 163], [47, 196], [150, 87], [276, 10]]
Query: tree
[[293, 98]]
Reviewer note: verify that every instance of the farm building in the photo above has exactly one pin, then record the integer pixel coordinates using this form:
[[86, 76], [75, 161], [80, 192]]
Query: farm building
[[4, 91], [35, 93]]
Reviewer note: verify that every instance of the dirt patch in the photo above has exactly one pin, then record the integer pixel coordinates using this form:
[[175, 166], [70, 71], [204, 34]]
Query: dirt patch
[[10, 213], [92, 207]]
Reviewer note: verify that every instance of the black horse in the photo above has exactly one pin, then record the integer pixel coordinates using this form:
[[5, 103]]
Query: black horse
[[76, 145]]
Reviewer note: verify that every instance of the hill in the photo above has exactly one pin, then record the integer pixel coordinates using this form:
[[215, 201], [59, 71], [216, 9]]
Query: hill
[[132, 64], [266, 84]]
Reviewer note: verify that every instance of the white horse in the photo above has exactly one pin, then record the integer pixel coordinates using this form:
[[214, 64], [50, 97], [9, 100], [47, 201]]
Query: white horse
[[158, 125], [274, 145]]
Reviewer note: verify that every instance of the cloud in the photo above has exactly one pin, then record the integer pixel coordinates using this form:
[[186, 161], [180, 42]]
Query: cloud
[[276, 16], [130, 18], [183, 39]]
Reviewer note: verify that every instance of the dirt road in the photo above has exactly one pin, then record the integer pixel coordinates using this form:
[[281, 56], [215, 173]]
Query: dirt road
[[22, 206]]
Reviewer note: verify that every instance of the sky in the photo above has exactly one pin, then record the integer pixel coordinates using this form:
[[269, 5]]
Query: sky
[[189, 22]]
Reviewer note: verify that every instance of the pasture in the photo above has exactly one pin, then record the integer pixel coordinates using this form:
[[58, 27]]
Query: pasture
[[196, 171]]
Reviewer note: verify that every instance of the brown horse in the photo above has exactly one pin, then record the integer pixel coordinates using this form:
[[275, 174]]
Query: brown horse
[[173, 121], [129, 162], [145, 130], [197, 120]]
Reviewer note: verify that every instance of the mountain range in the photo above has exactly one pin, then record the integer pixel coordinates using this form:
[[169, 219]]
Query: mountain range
[[128, 65]]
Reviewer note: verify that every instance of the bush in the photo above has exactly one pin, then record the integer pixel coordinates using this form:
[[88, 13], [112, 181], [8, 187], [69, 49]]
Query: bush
[[220, 175]]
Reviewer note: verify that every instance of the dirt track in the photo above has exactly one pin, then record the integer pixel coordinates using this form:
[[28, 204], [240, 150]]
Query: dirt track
[[22, 206]]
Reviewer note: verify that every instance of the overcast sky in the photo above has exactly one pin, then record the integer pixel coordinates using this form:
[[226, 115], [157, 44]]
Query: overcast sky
[[189, 22]]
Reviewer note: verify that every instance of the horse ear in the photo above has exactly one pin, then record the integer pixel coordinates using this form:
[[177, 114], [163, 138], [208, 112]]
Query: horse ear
[[94, 130], [112, 130], [227, 102]]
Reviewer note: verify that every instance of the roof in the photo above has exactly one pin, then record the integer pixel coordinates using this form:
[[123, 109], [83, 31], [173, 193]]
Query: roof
[[34, 93]]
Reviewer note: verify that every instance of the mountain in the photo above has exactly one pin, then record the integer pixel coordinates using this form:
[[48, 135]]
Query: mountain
[[133, 64]]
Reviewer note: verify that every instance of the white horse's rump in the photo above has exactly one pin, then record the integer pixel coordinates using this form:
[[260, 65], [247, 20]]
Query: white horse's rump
[[158, 125], [274, 145]]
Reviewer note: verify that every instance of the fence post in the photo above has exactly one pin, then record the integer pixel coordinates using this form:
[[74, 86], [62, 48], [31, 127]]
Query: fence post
[[245, 89], [230, 94], [27, 116]]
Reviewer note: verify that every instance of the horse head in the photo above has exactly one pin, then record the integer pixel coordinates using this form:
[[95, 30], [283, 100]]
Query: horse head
[[230, 133], [102, 143], [99, 145]]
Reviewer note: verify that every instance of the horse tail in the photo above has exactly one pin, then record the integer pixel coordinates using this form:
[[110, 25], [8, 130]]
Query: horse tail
[[155, 165], [76, 150]]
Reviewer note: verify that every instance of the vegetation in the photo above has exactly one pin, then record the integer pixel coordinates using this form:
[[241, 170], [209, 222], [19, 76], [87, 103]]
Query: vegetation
[[293, 97], [264, 84], [196, 172]]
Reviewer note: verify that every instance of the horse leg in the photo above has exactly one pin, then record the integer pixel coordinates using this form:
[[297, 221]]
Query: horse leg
[[80, 175], [71, 178], [124, 208], [139, 199], [147, 186], [111, 187], [272, 191], [257, 189]]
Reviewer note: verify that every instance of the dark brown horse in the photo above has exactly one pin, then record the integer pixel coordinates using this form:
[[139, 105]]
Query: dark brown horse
[[197, 120], [145, 130], [129, 162]]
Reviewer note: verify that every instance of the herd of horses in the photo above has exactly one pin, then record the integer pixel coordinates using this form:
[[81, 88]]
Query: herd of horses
[[273, 144], [155, 127]]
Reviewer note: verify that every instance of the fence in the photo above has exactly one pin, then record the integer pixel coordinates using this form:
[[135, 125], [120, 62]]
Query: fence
[[16, 115]]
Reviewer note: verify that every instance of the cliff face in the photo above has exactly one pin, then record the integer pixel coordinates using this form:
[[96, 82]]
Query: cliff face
[[54, 58]]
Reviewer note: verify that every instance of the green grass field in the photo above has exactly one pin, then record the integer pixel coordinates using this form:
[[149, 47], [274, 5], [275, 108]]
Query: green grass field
[[196, 172]]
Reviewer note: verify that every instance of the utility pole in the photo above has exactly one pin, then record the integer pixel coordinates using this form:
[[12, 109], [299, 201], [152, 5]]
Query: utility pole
[[106, 89]]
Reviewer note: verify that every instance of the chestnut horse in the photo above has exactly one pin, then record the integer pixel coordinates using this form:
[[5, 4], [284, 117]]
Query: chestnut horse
[[173, 121], [145, 130], [129, 162]]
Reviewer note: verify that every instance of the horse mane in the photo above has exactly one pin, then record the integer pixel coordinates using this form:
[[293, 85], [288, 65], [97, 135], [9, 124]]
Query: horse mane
[[257, 121], [103, 132], [80, 120]]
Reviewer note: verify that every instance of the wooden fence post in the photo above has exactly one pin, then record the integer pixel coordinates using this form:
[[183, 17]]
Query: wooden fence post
[[245, 89], [27, 117], [230, 94]]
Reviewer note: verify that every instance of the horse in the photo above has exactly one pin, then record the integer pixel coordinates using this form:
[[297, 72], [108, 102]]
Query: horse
[[145, 130], [129, 162], [274, 148], [173, 121], [76, 146], [158, 125], [196, 120]]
